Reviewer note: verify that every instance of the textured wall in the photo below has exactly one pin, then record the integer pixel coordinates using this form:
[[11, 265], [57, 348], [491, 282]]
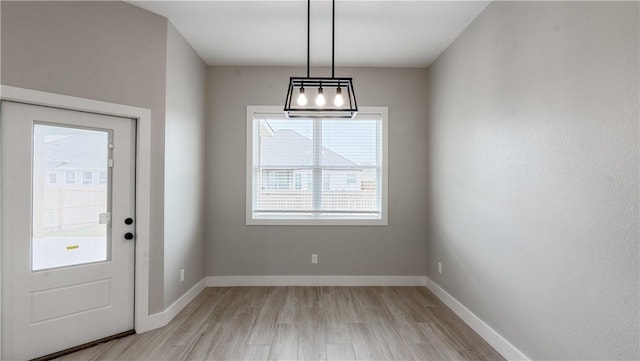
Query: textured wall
[[109, 51], [533, 115], [236, 249], [184, 168]]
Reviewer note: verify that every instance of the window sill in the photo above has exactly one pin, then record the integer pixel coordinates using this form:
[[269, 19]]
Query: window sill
[[315, 222]]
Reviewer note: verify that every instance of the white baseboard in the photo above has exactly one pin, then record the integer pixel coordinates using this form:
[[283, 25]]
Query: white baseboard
[[231, 281], [499, 343], [161, 319]]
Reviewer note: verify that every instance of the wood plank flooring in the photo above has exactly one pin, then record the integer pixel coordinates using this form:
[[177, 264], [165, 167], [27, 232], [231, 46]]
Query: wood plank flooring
[[305, 323]]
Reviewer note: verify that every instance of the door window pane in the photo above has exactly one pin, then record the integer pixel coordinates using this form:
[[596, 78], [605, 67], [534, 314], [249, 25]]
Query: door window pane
[[66, 227]]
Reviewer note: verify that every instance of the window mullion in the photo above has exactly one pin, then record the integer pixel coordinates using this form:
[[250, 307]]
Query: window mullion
[[317, 165]]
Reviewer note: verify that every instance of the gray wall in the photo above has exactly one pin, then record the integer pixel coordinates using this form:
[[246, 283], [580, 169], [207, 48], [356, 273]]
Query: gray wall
[[236, 249], [533, 115], [109, 51], [184, 168]]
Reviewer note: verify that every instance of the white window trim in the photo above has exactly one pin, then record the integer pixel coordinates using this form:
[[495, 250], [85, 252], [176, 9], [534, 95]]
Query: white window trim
[[382, 221]]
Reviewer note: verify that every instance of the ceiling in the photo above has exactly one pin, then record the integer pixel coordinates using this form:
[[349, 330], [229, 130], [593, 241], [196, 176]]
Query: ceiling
[[273, 33]]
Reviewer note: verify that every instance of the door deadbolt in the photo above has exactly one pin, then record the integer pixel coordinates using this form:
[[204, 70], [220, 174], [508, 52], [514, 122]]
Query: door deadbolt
[[128, 221], [128, 235]]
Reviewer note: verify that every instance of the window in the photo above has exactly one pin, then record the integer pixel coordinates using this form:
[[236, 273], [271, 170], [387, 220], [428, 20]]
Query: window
[[87, 177], [351, 179], [103, 177], [276, 179], [298, 181], [53, 178], [70, 177], [316, 171]]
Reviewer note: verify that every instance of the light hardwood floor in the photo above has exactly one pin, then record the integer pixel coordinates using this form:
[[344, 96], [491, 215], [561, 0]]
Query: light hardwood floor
[[305, 323]]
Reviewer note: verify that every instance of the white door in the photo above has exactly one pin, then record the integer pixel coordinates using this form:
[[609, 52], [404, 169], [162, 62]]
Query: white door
[[67, 193]]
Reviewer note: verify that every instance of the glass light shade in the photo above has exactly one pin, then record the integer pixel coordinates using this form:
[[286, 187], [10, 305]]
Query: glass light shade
[[320, 101], [302, 99], [338, 100]]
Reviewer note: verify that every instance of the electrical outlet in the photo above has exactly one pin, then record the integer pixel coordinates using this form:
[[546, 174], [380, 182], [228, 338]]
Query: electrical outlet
[[440, 267], [314, 258], [181, 274]]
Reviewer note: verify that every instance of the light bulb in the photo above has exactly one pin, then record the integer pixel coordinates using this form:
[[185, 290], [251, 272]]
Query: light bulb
[[338, 101], [320, 98], [302, 99]]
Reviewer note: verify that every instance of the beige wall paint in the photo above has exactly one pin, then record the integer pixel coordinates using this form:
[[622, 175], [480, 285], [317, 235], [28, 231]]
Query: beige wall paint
[[184, 168], [236, 249], [534, 164], [109, 51]]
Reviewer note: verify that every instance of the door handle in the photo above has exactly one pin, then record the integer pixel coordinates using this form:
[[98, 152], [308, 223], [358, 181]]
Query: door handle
[[128, 235]]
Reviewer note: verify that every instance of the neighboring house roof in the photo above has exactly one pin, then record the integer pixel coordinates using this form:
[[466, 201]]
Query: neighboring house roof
[[276, 151], [86, 150], [265, 129]]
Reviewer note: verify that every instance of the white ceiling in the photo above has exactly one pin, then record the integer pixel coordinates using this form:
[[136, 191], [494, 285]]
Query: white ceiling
[[368, 33]]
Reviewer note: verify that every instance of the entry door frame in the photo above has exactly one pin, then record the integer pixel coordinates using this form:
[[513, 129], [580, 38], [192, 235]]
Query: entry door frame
[[142, 117]]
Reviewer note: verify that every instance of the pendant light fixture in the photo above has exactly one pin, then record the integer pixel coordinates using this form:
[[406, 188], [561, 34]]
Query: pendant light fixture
[[311, 93]]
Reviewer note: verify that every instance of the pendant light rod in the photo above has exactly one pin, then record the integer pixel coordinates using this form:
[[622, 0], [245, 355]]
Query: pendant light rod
[[308, 32], [333, 38]]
